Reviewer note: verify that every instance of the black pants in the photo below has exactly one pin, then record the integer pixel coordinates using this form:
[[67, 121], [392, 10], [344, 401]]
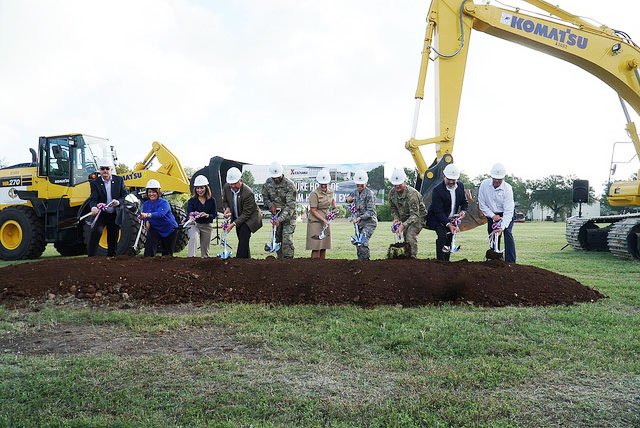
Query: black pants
[[107, 220], [168, 243], [244, 235], [444, 238]]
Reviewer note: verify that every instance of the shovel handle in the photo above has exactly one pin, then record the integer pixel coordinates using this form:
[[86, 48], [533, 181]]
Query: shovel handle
[[135, 244]]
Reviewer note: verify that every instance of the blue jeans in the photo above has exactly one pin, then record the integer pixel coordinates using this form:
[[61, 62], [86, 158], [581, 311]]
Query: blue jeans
[[509, 243]]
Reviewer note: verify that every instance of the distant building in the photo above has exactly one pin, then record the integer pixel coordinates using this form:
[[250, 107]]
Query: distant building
[[588, 210], [538, 213]]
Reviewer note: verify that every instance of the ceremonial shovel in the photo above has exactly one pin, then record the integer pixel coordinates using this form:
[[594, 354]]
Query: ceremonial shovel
[[401, 249], [141, 220], [494, 251], [225, 254], [359, 238], [192, 219], [453, 248], [330, 216], [101, 207], [274, 246]]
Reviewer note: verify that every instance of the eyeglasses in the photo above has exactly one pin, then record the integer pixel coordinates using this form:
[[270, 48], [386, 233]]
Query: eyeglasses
[[104, 168]]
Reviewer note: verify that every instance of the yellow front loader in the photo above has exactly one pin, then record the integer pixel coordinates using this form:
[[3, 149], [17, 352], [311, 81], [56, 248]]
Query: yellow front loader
[[608, 54], [42, 201]]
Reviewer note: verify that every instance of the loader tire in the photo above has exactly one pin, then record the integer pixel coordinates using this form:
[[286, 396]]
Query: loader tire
[[21, 234], [181, 216], [126, 238], [70, 249]]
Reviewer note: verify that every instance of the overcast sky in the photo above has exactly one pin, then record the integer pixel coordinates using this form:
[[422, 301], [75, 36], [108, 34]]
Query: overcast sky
[[294, 81]]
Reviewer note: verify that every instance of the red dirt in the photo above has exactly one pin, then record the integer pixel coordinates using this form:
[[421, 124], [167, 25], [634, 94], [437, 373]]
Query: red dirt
[[166, 280]]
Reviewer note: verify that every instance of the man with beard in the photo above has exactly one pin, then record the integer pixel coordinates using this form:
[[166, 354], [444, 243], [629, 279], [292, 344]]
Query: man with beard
[[447, 203]]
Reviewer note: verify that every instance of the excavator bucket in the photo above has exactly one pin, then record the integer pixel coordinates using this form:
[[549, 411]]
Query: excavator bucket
[[432, 177]]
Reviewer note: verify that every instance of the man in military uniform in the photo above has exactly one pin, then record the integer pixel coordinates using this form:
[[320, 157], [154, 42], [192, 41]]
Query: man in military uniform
[[279, 196], [408, 210], [363, 212]]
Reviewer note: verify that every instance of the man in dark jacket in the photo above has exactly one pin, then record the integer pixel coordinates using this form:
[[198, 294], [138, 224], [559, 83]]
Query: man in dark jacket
[[106, 200], [240, 205], [448, 201]]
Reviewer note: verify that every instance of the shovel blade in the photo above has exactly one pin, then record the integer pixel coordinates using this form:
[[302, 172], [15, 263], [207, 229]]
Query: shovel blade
[[272, 248], [321, 235], [492, 255], [359, 239]]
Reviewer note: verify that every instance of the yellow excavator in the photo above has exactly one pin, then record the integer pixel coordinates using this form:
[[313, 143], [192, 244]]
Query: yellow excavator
[[608, 54], [44, 201]]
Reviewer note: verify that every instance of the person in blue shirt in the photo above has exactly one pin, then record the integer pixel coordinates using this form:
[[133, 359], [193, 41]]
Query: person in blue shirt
[[201, 208], [161, 225]]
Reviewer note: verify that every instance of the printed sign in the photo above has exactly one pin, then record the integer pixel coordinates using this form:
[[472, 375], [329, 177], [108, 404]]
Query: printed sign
[[304, 177]]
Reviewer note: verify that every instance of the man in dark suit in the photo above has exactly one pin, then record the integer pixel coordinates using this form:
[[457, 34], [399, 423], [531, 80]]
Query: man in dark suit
[[447, 202], [106, 189], [240, 204]]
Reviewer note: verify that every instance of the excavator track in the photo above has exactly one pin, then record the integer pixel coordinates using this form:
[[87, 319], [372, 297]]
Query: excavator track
[[623, 239], [572, 232]]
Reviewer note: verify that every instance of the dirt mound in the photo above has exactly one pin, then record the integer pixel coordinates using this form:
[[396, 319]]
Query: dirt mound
[[299, 281]]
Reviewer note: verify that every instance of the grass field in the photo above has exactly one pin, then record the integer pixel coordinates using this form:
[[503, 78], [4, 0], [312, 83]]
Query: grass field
[[341, 366]]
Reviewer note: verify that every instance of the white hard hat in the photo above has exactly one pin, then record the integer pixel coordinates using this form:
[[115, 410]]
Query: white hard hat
[[452, 172], [323, 177], [398, 176], [200, 180], [275, 170], [105, 162], [233, 175], [498, 171], [153, 184], [360, 177]]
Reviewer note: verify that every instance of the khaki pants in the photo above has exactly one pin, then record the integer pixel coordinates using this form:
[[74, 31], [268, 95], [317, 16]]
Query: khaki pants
[[199, 233]]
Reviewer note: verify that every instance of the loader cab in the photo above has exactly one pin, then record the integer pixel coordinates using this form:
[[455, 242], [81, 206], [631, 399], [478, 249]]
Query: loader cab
[[69, 160]]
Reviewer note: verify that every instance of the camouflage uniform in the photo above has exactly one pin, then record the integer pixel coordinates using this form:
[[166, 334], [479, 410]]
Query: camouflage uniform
[[282, 196], [365, 202], [408, 207]]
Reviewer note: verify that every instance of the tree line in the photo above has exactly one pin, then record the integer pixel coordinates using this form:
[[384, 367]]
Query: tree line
[[554, 192]]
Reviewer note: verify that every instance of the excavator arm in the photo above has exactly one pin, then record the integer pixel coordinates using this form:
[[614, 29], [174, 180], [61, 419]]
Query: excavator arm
[[609, 55], [170, 173]]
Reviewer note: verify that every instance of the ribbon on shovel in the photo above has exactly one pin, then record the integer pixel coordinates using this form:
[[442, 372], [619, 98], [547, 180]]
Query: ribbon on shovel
[[101, 207], [494, 237], [274, 246], [358, 238], [192, 218], [455, 222], [395, 227], [226, 253], [331, 215]]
